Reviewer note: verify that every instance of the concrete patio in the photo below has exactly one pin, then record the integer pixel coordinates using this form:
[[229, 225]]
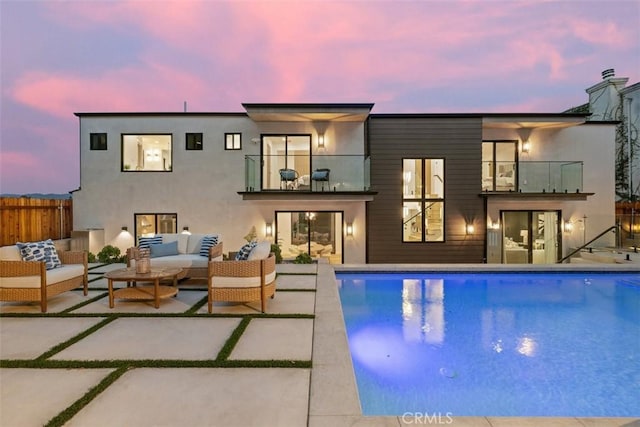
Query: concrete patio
[[84, 364]]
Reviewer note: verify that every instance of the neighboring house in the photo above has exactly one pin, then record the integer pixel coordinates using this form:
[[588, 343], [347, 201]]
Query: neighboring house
[[612, 100], [336, 181]]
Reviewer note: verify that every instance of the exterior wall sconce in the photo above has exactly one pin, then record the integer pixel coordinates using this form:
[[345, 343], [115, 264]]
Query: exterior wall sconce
[[568, 226], [320, 140], [495, 225], [185, 230], [125, 228], [349, 229], [268, 229], [526, 146], [470, 229]]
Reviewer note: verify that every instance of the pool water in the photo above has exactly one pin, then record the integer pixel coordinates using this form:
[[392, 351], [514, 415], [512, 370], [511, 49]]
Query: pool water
[[503, 344]]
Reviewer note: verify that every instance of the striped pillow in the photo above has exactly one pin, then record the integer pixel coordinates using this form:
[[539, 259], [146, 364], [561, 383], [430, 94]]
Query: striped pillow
[[207, 243], [146, 242], [243, 253]]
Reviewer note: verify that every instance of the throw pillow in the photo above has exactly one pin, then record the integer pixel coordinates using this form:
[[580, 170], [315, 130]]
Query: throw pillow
[[40, 251], [164, 249], [244, 251], [145, 242], [260, 251], [207, 243]]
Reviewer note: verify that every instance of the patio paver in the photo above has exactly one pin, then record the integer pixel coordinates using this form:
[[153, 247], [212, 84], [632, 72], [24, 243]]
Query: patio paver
[[227, 397], [24, 391], [277, 339], [154, 338], [28, 338]]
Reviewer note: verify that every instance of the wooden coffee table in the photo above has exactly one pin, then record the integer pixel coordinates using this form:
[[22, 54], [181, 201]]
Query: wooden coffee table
[[154, 292]]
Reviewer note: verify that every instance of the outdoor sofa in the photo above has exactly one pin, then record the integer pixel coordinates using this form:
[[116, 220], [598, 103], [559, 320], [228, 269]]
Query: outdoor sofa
[[28, 278], [190, 252]]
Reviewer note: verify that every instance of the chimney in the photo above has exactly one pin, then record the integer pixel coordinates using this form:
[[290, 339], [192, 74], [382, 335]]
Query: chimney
[[608, 73]]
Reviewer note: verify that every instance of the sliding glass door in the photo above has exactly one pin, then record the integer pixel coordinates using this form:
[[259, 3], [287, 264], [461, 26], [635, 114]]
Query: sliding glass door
[[318, 234], [530, 237], [286, 152]]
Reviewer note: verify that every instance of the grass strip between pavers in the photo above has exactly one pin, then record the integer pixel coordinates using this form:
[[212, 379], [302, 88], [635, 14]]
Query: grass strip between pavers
[[87, 302], [64, 416], [57, 348], [151, 363], [233, 339], [185, 314], [194, 309]]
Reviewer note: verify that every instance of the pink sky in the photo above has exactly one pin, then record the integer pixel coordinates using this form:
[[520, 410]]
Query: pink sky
[[58, 58]]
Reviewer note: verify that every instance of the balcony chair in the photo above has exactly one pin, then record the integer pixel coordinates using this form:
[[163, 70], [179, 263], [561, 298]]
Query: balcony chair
[[321, 175], [289, 177]]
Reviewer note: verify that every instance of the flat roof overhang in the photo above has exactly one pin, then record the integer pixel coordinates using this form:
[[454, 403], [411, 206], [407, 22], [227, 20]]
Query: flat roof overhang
[[343, 196], [515, 195], [533, 121], [308, 112]]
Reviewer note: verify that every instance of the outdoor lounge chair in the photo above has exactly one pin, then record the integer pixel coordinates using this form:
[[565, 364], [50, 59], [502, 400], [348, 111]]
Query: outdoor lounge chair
[[321, 175], [289, 177], [242, 281]]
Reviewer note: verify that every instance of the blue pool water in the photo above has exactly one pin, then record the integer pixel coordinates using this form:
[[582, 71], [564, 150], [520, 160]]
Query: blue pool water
[[503, 344]]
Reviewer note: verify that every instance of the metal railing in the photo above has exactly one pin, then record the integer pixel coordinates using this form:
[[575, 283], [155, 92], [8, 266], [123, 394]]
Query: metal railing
[[346, 173], [586, 245]]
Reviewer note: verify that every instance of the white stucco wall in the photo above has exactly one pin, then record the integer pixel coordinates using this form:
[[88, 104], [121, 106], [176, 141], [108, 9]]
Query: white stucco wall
[[593, 144], [202, 188]]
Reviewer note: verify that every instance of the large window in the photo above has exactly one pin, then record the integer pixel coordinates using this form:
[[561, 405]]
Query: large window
[[423, 200], [499, 172], [150, 224], [144, 153]]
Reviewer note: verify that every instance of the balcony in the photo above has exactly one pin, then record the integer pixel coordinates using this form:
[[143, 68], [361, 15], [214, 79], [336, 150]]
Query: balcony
[[346, 175], [555, 177]]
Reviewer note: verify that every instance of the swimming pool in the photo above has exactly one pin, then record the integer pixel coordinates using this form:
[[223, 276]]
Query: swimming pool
[[495, 344]]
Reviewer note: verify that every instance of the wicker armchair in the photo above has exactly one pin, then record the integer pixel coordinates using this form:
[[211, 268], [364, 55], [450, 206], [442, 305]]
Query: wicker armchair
[[28, 281], [242, 281]]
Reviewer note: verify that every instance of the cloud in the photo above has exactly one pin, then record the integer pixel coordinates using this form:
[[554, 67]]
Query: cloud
[[405, 56], [132, 89]]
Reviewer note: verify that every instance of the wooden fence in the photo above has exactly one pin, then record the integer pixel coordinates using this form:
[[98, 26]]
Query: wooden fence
[[28, 219]]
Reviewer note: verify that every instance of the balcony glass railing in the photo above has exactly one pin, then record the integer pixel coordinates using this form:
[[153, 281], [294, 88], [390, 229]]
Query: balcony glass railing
[[532, 177], [317, 173]]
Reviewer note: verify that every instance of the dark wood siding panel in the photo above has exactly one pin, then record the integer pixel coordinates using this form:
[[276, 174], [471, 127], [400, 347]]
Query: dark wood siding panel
[[458, 142]]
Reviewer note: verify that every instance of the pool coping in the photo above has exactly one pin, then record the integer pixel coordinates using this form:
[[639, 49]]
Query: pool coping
[[334, 399]]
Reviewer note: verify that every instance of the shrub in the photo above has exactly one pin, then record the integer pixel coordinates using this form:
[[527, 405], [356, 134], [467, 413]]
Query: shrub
[[277, 252], [110, 254], [91, 257], [303, 258]]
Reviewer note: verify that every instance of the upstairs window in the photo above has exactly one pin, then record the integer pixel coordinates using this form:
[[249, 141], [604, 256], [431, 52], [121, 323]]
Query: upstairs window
[[233, 141], [423, 200], [194, 141], [499, 165], [98, 141], [147, 153]]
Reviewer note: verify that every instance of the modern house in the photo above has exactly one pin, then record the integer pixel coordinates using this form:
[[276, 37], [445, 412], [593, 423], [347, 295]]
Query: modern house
[[340, 182]]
